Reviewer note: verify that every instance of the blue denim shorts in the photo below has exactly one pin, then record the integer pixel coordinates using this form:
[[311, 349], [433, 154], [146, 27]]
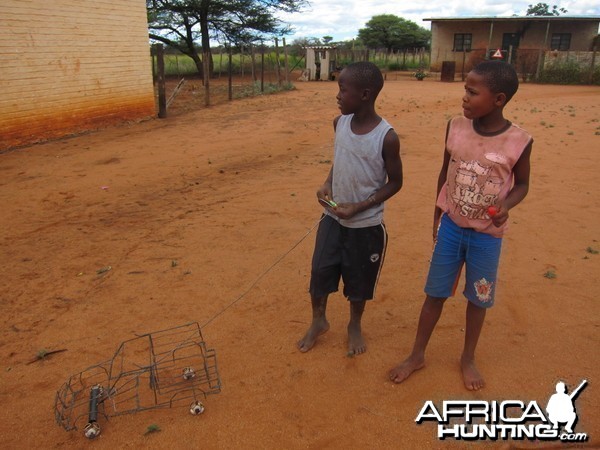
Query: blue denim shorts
[[455, 247]]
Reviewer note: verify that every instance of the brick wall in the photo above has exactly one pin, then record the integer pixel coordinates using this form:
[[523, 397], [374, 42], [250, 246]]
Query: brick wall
[[67, 66]]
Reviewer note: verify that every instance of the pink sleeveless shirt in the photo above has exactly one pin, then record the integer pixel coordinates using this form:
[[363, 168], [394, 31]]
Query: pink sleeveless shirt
[[480, 172]]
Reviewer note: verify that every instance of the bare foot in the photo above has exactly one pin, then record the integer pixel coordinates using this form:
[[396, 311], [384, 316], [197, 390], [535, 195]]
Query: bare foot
[[356, 342], [403, 370], [471, 376], [317, 328]]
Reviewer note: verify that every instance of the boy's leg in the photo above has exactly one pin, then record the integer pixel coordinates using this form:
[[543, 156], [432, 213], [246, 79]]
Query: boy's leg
[[444, 271], [356, 342], [362, 261], [324, 279], [318, 326], [430, 314], [471, 376], [482, 261]]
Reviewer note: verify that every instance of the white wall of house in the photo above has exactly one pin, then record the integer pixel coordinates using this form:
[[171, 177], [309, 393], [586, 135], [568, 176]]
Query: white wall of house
[[71, 65]]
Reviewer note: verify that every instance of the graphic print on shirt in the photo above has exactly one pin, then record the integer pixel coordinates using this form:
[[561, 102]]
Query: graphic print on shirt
[[475, 188]]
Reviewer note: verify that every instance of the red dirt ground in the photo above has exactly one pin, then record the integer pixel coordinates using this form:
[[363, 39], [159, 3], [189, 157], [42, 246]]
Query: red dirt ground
[[191, 211]]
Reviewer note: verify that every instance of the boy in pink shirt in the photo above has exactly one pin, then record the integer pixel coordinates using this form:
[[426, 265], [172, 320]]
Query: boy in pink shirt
[[485, 173]]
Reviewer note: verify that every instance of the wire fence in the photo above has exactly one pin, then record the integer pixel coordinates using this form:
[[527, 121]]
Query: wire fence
[[258, 70], [532, 64], [253, 70]]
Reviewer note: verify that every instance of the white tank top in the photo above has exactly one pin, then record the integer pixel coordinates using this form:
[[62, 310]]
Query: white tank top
[[359, 170]]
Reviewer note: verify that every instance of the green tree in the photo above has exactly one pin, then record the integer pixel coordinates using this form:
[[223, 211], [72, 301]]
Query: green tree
[[393, 33], [297, 47], [307, 42], [543, 9], [182, 24]]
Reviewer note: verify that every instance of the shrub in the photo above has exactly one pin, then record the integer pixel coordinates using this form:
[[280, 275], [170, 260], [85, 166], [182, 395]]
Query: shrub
[[566, 72], [596, 76]]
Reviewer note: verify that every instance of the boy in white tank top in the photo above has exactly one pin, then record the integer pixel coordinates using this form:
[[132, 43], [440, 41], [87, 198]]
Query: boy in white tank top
[[351, 239], [485, 173]]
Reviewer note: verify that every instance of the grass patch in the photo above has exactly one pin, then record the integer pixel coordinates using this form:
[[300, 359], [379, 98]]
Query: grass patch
[[252, 90], [152, 429], [550, 274]]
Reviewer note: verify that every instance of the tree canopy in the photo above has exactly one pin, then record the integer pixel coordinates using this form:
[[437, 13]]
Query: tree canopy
[[543, 9], [393, 33], [182, 24]]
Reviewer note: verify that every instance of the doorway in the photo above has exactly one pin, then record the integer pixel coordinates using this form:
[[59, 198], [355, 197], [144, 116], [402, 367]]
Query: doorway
[[510, 44]]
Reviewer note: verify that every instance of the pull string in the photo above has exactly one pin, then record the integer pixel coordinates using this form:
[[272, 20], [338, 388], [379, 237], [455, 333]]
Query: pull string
[[262, 275]]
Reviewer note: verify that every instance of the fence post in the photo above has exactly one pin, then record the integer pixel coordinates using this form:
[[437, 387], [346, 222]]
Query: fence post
[[541, 54], [206, 70], [253, 68], [160, 69], [262, 67], [220, 61], [229, 70], [242, 60], [591, 79], [285, 60], [277, 68]]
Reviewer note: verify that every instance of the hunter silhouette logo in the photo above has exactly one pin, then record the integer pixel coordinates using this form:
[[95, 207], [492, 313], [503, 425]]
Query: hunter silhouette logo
[[561, 408], [508, 419]]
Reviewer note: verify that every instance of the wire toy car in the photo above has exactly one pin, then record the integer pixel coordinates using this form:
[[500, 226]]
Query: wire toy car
[[161, 369]]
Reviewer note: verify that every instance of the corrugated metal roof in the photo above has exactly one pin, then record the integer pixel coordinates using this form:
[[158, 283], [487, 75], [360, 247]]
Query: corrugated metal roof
[[512, 18]]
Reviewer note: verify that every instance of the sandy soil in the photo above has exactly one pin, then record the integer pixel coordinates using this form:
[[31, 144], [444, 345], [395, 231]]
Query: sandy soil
[[208, 216]]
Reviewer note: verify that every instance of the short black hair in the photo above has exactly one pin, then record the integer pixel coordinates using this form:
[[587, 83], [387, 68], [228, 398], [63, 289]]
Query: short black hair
[[366, 75], [499, 76]]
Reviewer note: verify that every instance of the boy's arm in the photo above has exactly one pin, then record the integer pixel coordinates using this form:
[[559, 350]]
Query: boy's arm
[[393, 168], [519, 189], [324, 191], [442, 177]]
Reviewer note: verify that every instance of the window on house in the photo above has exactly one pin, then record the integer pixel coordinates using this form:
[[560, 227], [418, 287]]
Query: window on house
[[560, 41], [462, 42]]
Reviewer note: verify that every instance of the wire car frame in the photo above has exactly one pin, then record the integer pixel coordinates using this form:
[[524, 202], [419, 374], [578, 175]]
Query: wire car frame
[[161, 369]]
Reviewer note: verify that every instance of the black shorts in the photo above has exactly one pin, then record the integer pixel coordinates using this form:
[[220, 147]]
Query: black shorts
[[353, 254]]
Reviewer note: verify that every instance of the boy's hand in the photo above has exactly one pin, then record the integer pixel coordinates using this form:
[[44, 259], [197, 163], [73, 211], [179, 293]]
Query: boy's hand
[[437, 217], [499, 214], [345, 210], [325, 193]]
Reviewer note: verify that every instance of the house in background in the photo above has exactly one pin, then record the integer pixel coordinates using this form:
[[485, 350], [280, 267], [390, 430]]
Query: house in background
[[521, 40], [67, 66]]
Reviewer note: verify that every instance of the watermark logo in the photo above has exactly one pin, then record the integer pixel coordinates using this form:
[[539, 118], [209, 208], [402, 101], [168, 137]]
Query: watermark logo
[[508, 419]]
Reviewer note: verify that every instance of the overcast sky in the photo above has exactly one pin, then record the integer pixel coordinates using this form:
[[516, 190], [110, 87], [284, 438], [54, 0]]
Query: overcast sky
[[342, 19]]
